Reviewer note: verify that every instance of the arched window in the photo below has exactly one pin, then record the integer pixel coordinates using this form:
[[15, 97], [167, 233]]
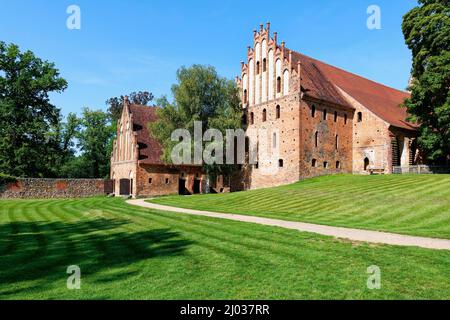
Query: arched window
[[278, 84], [316, 139], [313, 111], [314, 163], [360, 117], [278, 112], [252, 118], [335, 116], [257, 67], [366, 164], [345, 119], [325, 164], [336, 143], [245, 96], [325, 114], [281, 163], [274, 140], [338, 164], [264, 65], [264, 115]]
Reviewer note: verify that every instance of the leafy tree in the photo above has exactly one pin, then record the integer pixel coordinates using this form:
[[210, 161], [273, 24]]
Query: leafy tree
[[93, 141], [200, 95], [27, 117], [427, 33], [116, 104]]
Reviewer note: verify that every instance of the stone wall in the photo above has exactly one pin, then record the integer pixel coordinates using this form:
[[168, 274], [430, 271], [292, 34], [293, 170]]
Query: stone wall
[[52, 188]]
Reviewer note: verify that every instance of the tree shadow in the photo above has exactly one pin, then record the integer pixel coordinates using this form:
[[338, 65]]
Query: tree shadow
[[42, 251]]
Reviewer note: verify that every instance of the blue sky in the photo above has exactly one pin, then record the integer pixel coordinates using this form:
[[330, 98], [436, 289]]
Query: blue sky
[[131, 45]]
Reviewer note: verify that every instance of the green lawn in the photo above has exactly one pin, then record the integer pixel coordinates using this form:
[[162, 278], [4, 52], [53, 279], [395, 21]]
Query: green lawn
[[407, 204], [127, 252]]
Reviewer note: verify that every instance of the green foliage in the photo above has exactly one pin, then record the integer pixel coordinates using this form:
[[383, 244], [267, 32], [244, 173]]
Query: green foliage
[[427, 33], [94, 140], [29, 123], [199, 95], [6, 178], [116, 104]]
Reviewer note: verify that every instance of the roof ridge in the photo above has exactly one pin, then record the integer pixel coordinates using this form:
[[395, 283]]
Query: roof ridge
[[349, 72]]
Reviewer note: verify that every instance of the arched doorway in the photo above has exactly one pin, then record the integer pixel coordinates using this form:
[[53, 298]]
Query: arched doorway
[[366, 164]]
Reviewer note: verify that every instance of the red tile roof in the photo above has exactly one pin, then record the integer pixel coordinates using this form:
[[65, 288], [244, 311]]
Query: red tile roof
[[319, 80], [150, 150]]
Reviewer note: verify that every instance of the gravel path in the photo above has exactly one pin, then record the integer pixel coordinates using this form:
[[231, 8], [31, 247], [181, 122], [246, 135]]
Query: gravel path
[[337, 232]]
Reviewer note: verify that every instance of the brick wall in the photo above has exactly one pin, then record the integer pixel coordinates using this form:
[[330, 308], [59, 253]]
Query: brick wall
[[52, 188]]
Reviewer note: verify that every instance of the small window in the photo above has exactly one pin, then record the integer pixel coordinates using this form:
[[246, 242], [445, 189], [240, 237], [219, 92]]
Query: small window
[[325, 165], [314, 163], [278, 84], [313, 111], [247, 144], [316, 139], [257, 165], [345, 119], [281, 163], [167, 180], [150, 180], [336, 142], [338, 164], [264, 115], [325, 114], [274, 140], [264, 65], [245, 96], [335, 116], [257, 67], [252, 118], [278, 112], [360, 117]]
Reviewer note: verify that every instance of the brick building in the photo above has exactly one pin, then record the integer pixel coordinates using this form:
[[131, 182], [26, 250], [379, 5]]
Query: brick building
[[325, 120], [322, 120], [136, 166]]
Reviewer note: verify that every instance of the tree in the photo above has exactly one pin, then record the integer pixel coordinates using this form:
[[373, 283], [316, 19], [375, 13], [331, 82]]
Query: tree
[[116, 103], [427, 33], [200, 95], [27, 117], [93, 141]]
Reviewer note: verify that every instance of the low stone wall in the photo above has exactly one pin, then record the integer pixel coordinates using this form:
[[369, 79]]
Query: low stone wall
[[52, 188]]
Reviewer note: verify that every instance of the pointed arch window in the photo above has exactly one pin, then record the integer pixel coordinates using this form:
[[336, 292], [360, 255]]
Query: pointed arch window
[[278, 84]]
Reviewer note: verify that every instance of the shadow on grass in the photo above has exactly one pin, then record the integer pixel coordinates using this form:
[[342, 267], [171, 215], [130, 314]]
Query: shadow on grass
[[42, 251]]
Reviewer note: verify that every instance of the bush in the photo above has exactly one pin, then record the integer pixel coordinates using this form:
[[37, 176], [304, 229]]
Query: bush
[[5, 179]]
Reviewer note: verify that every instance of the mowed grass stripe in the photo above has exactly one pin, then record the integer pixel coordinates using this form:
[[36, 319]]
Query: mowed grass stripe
[[409, 204]]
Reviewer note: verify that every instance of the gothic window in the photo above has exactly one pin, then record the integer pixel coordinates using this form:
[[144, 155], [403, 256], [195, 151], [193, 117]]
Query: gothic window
[[264, 65], [257, 67], [278, 112], [278, 84], [336, 143], [245, 96], [316, 139], [264, 115], [360, 117]]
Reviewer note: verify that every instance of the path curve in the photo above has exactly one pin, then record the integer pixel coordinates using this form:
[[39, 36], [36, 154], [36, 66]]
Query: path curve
[[337, 232]]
